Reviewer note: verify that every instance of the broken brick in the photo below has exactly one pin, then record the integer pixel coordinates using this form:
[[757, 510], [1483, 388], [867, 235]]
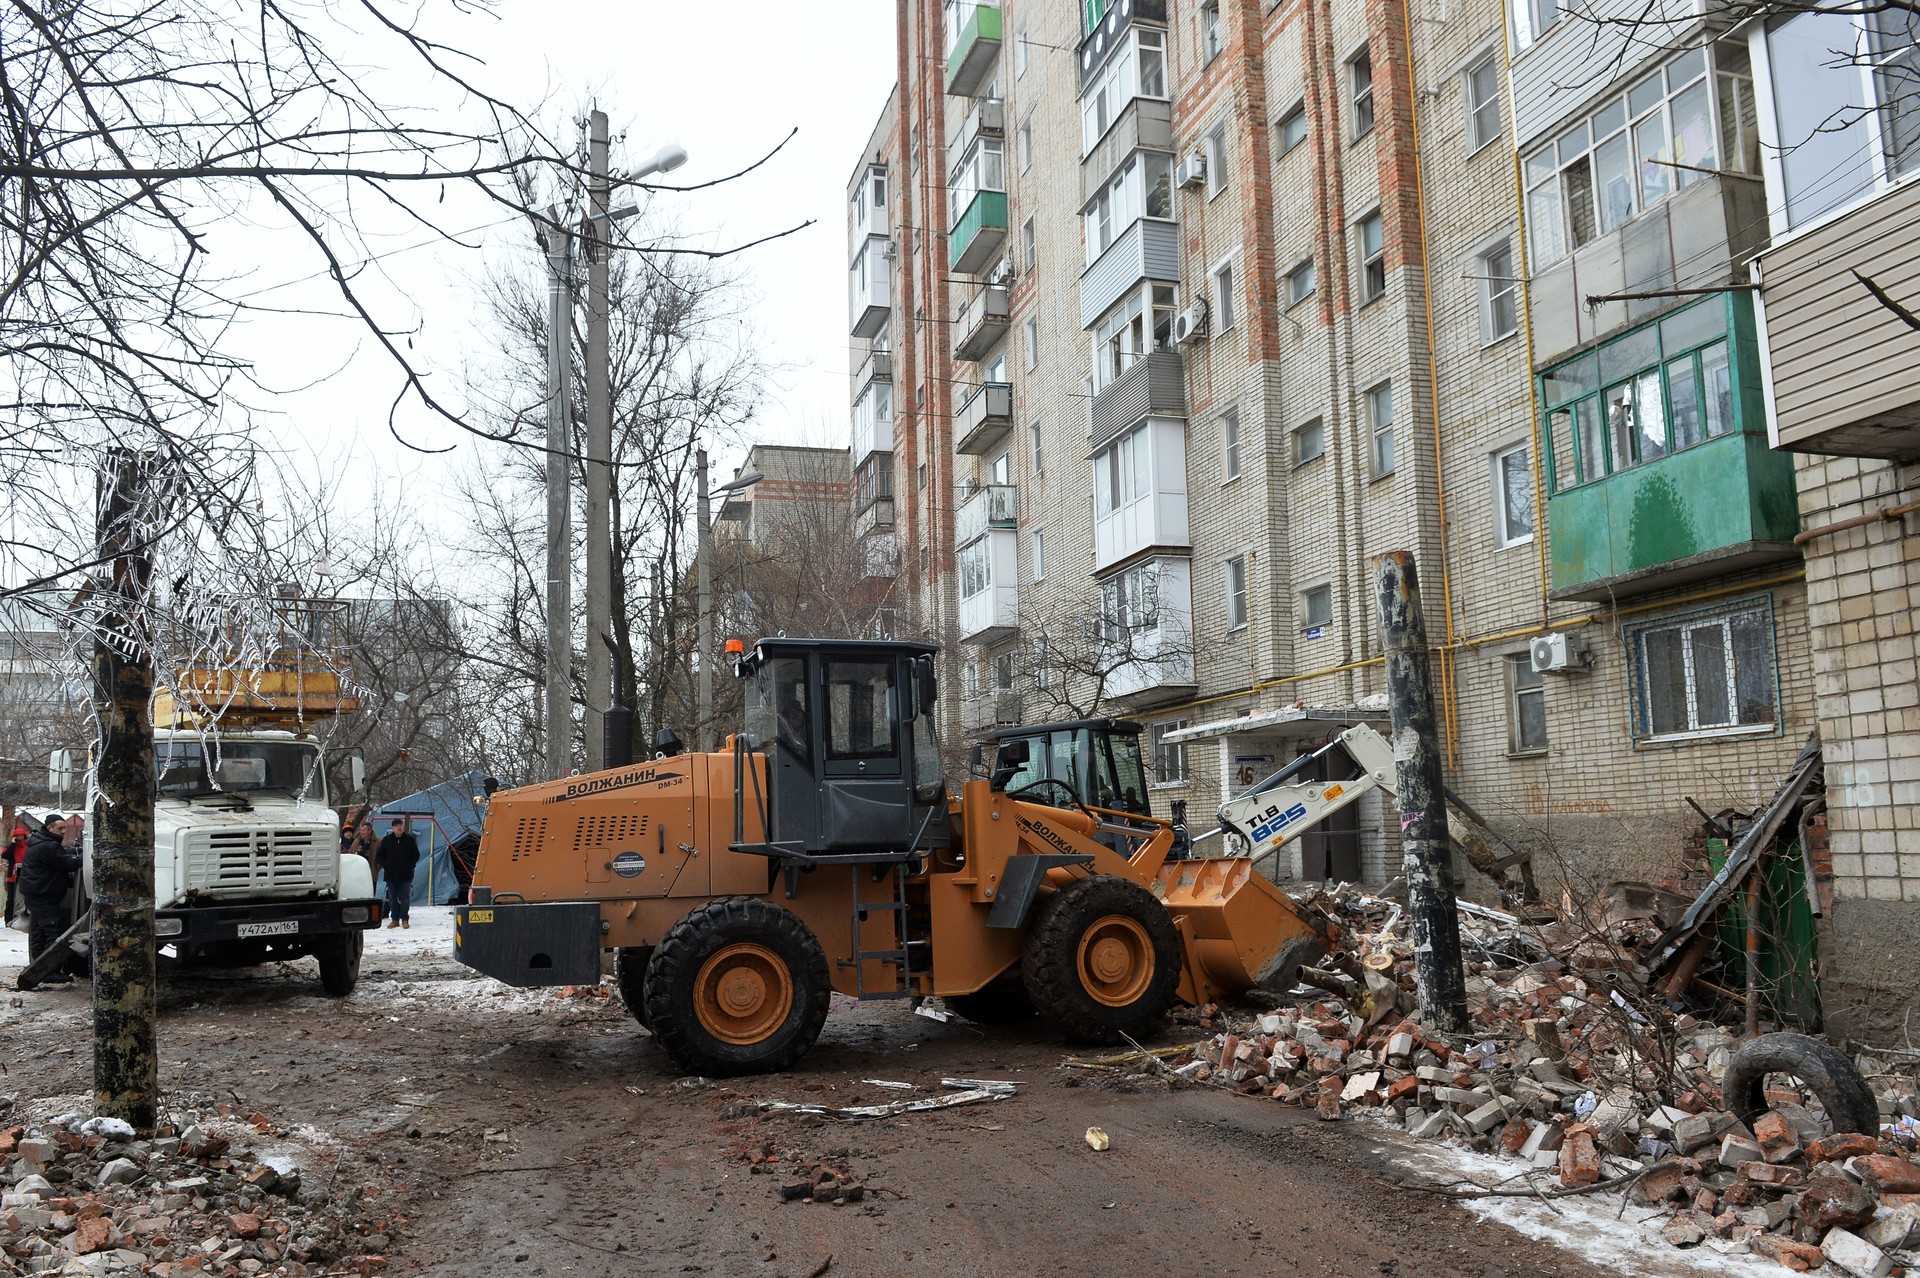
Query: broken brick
[[1841, 1146], [1776, 1137], [1848, 1251], [1888, 1172], [94, 1233], [1831, 1201], [1772, 1174], [1794, 1255], [1579, 1158]]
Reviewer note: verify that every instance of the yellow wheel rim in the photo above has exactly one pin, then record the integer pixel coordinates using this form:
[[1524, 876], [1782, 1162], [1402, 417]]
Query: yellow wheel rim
[[1115, 960], [742, 994]]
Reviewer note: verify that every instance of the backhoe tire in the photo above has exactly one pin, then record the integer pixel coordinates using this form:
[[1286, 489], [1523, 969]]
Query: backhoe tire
[[997, 1004], [630, 974], [1102, 960], [339, 956], [1843, 1093], [738, 986]]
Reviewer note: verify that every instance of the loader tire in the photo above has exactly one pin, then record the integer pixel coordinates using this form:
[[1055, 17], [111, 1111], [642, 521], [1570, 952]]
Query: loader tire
[[339, 956], [630, 974], [1826, 1071], [738, 986], [997, 1004], [1102, 960]]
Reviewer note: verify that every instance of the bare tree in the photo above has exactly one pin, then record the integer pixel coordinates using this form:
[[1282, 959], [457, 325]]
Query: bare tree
[[1075, 658]]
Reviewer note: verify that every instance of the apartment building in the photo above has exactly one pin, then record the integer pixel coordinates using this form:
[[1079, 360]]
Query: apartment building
[[1839, 283], [1198, 305]]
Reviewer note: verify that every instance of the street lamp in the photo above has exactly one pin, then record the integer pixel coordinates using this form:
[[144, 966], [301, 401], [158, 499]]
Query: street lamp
[[702, 550]]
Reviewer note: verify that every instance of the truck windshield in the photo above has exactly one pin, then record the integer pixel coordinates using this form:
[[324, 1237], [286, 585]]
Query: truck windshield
[[184, 769]]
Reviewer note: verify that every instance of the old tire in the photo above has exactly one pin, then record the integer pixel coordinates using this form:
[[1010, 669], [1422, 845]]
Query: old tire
[[630, 974], [738, 986], [997, 1004], [1842, 1092], [339, 956], [1102, 960]]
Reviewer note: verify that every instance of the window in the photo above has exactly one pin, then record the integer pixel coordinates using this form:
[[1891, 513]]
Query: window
[[1141, 187], [1034, 432], [1122, 472], [1499, 290], [976, 568], [969, 679], [859, 694], [1316, 611], [873, 411], [1091, 12], [1481, 89], [922, 477], [1026, 244], [1137, 69], [1309, 442], [1292, 129], [1211, 39], [1512, 496], [1706, 672], [1360, 73], [1223, 297], [1373, 257], [1130, 603], [1217, 159], [1652, 391], [1628, 155], [982, 168], [1030, 339], [1000, 469], [1531, 18], [1141, 321], [1236, 582], [1024, 147], [1169, 757], [1230, 443], [1020, 49], [1003, 668], [1039, 544], [1526, 706], [1300, 283], [1380, 422]]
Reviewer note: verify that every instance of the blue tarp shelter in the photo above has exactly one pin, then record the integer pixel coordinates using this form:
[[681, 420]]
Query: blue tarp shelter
[[446, 820]]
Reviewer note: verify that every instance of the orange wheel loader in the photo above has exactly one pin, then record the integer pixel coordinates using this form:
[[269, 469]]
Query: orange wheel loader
[[821, 850]]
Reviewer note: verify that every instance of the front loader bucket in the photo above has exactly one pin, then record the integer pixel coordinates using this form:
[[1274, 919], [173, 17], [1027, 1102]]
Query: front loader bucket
[[1239, 930]]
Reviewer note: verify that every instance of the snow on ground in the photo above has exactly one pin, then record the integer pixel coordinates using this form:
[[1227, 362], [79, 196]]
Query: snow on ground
[[1591, 1226]]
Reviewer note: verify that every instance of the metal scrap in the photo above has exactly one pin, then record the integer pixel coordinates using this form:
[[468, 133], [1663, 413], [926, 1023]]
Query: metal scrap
[[971, 1091]]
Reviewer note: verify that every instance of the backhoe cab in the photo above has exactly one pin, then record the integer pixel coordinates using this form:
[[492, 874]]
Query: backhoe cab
[[820, 850]]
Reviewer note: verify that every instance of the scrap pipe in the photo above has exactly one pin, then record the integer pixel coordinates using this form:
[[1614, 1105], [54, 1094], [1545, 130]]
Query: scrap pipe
[[1857, 521], [1753, 945], [1438, 977]]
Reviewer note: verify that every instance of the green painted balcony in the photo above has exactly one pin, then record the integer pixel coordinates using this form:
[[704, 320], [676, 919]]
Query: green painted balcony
[[974, 32], [1657, 458], [979, 232]]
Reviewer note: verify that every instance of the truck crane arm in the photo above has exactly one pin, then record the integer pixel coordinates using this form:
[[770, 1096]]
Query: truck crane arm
[[1280, 808]]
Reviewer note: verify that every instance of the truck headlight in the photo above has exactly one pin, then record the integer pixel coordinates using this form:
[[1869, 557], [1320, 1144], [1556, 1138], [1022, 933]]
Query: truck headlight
[[168, 927], [354, 914]]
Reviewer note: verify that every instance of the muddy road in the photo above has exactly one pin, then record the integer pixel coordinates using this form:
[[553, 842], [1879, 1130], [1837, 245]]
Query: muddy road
[[523, 1133]]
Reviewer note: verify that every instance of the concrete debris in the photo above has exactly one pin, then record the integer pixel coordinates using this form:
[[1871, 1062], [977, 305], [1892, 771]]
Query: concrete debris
[[1573, 1068], [1097, 1140], [91, 1196]]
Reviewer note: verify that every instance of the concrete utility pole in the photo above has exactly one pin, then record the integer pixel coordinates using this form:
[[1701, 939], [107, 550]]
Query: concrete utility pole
[[559, 498], [599, 676], [1438, 978], [126, 1070]]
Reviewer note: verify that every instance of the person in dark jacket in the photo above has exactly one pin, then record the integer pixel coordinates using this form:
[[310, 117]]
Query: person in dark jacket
[[399, 854], [44, 882], [11, 860]]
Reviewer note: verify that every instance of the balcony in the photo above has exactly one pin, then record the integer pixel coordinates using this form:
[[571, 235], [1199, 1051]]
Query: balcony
[[985, 530], [1098, 44], [1145, 123], [876, 367], [1846, 370], [1149, 511], [870, 286], [984, 419], [987, 118], [1153, 665], [979, 232], [981, 321], [875, 516], [975, 46], [880, 556], [1147, 250], [990, 710], [1156, 385], [986, 509], [873, 421]]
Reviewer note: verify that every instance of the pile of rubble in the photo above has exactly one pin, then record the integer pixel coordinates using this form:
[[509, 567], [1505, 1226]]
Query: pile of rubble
[[86, 1196], [1571, 1069]]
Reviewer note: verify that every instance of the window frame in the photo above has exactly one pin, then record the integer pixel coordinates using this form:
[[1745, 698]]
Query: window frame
[[1281, 126], [1223, 314], [1028, 243], [1373, 264], [1030, 338], [1230, 443], [1234, 577], [1490, 289], [1502, 514], [1213, 38], [1215, 146], [1528, 29], [1757, 607], [1318, 425], [1308, 603], [1476, 108], [1377, 429], [1037, 548], [1522, 683], [1295, 294], [1360, 91], [1023, 143], [1176, 753]]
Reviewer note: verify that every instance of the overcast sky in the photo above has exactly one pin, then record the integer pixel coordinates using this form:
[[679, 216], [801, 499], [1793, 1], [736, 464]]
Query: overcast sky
[[726, 81]]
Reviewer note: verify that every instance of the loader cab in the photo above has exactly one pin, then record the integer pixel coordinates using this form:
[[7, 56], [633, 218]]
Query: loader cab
[[1095, 762], [847, 728]]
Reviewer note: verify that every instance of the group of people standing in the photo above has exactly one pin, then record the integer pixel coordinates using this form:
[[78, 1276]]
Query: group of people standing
[[393, 860], [39, 871]]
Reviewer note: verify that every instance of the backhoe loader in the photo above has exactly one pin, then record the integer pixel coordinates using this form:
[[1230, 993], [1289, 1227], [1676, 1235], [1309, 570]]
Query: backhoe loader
[[821, 850]]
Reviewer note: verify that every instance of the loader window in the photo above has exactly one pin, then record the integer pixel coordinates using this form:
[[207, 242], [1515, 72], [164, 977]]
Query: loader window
[[1129, 773], [779, 707], [860, 710]]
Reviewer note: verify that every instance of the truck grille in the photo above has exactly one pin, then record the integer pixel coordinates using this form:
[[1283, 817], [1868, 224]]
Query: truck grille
[[239, 862]]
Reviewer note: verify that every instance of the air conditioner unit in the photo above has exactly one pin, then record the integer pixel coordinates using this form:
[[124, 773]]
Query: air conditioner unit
[[1002, 272], [1190, 323], [1559, 654], [1192, 172], [889, 249]]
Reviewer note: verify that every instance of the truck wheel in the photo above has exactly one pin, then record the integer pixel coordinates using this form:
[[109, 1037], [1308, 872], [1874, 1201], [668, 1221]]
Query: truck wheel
[[738, 986], [1102, 960], [1826, 1071], [630, 974], [997, 1004], [339, 956]]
